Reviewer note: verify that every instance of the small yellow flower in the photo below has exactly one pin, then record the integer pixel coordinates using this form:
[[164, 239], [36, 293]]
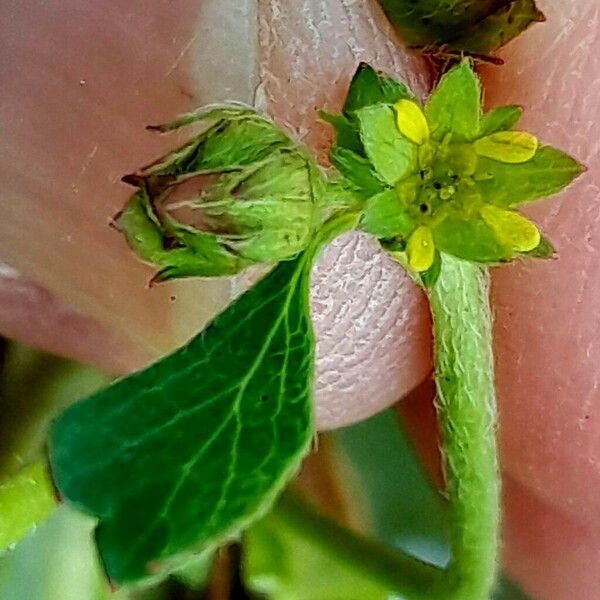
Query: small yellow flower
[[411, 121], [445, 178]]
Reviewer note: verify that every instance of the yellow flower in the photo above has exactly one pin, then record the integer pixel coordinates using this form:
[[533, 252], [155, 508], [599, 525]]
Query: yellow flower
[[444, 177]]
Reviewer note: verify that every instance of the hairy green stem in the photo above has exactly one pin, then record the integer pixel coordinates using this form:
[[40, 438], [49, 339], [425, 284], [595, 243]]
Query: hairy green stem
[[464, 371], [467, 417]]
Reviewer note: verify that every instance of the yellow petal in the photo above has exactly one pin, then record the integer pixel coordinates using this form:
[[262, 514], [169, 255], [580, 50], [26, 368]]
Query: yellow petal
[[411, 121], [511, 227], [420, 249], [507, 146]]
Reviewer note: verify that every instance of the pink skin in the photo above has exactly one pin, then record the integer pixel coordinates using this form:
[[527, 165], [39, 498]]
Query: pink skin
[[78, 86]]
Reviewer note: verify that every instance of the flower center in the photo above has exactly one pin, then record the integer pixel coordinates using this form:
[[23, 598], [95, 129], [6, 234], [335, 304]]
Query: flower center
[[445, 178]]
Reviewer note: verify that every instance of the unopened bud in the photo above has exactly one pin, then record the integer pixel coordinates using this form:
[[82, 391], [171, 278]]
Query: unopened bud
[[240, 192]]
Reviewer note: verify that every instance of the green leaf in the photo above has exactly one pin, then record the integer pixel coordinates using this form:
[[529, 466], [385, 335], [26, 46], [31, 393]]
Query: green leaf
[[57, 561], [471, 239], [549, 171], [385, 217], [500, 119], [392, 155], [184, 454], [369, 87], [34, 388], [383, 477], [26, 499], [356, 169], [455, 104], [476, 26]]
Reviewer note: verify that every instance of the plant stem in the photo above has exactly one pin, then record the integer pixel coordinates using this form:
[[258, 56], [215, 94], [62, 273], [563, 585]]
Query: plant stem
[[400, 573], [464, 371]]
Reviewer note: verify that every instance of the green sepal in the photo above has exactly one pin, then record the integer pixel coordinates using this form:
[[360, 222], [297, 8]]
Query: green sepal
[[369, 87], [391, 154], [429, 278], [340, 195], [470, 238], [179, 251], [476, 26], [544, 249], [357, 169], [502, 118], [348, 154], [233, 137], [271, 213], [346, 131], [506, 185], [385, 217], [454, 106], [229, 112], [183, 455], [497, 29]]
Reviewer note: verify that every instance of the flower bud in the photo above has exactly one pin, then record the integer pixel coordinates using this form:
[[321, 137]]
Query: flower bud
[[240, 192]]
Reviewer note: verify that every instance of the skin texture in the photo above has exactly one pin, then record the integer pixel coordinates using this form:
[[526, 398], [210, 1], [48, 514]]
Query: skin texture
[[548, 315], [78, 86]]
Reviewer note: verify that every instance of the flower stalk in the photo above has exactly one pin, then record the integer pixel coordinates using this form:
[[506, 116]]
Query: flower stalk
[[466, 407]]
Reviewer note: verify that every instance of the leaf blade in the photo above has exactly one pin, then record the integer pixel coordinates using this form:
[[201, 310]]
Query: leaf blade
[[157, 490]]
